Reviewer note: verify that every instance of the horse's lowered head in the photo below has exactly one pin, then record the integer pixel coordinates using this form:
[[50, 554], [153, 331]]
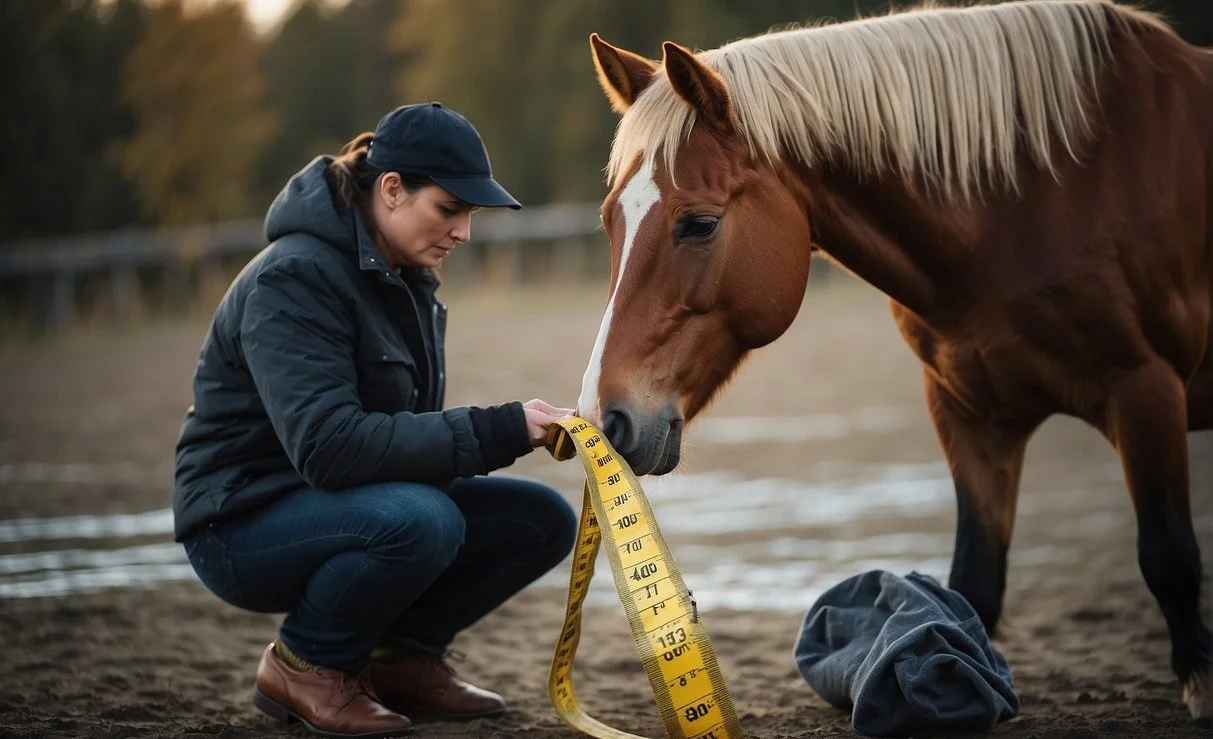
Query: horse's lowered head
[[710, 250]]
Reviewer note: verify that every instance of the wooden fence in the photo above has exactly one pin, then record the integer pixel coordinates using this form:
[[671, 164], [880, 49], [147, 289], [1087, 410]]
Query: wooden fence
[[49, 285]]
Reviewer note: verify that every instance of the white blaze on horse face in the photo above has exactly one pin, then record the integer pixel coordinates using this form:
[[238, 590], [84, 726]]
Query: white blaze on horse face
[[637, 200]]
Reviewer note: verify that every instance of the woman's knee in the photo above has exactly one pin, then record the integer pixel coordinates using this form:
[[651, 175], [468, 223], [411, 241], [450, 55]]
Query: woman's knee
[[550, 513], [415, 522], [565, 521]]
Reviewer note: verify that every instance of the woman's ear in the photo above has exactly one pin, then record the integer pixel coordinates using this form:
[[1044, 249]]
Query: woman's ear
[[391, 189]]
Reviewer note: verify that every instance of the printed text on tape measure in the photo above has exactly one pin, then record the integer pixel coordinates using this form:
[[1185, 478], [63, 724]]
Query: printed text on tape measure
[[674, 648]]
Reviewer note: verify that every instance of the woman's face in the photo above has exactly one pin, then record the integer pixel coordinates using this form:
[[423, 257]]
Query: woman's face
[[418, 228]]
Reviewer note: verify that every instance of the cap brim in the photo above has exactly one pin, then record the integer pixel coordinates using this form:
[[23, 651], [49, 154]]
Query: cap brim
[[480, 191]]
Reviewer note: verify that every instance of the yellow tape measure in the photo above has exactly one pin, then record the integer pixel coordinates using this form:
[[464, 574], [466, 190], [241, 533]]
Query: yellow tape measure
[[669, 636]]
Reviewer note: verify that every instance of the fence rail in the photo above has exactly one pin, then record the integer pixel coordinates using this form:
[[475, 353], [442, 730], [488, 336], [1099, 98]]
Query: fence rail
[[137, 247], [49, 285], [44, 282]]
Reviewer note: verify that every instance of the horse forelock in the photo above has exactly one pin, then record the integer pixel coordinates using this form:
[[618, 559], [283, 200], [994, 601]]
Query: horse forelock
[[948, 96]]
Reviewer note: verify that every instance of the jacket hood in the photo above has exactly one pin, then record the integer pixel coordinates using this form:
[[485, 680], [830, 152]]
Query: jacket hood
[[305, 205]]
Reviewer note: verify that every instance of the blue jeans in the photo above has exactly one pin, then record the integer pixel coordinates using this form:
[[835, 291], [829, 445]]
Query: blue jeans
[[397, 564]]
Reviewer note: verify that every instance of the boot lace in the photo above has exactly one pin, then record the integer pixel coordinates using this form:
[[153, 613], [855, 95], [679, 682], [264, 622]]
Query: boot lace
[[352, 685]]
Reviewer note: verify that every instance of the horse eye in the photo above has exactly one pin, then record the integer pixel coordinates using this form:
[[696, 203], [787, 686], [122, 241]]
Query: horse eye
[[696, 227]]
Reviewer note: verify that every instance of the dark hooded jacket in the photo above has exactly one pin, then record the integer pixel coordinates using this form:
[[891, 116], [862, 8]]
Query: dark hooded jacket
[[324, 368]]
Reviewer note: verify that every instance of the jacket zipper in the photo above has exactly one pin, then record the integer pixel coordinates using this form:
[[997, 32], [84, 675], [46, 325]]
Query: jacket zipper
[[430, 363], [440, 385]]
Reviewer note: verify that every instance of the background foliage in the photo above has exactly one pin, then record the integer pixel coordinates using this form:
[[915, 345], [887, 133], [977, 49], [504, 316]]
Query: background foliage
[[121, 112]]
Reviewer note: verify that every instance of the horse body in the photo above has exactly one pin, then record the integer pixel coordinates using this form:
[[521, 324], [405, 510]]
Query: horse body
[[1028, 284], [1038, 300], [1088, 294]]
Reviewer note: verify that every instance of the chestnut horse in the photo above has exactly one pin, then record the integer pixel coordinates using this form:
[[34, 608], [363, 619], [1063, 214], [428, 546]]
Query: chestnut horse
[[1031, 185]]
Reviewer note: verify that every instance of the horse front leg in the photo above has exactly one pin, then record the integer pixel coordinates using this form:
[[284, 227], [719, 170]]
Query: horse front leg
[[1200, 395], [1146, 421], [986, 462]]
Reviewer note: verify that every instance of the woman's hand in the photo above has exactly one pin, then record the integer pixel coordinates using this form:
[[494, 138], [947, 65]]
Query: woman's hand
[[540, 415]]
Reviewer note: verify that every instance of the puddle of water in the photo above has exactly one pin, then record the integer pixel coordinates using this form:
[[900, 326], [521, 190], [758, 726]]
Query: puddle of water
[[764, 543], [70, 582], [76, 559], [783, 571], [789, 573], [121, 525], [798, 429], [693, 509], [721, 502]]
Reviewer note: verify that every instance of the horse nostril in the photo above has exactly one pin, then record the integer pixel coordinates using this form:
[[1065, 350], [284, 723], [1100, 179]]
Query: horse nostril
[[620, 430]]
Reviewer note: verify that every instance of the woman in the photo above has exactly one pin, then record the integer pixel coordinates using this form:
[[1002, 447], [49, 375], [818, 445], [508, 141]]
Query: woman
[[317, 472]]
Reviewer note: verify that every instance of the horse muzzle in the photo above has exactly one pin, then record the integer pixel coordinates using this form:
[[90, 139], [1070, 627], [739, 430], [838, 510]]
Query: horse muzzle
[[651, 443]]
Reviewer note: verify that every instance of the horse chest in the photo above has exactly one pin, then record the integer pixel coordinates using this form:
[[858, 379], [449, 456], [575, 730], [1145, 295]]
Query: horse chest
[[995, 378]]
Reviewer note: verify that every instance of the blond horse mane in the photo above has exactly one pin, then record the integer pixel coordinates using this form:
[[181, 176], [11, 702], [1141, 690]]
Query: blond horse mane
[[943, 93]]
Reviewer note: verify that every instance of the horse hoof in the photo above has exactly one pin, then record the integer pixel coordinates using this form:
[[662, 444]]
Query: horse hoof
[[1199, 697]]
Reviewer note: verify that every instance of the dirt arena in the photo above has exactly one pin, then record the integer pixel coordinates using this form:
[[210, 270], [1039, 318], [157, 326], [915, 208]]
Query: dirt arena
[[816, 464]]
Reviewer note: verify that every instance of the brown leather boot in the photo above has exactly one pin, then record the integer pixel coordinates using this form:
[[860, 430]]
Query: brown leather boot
[[326, 701], [423, 684]]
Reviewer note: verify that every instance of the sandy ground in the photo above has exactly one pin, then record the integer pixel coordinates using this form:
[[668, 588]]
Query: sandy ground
[[87, 426]]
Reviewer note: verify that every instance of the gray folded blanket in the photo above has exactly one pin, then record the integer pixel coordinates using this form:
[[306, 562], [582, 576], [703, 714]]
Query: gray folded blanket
[[904, 655]]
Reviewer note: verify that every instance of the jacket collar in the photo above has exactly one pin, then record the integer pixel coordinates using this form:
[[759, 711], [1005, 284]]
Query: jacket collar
[[370, 259]]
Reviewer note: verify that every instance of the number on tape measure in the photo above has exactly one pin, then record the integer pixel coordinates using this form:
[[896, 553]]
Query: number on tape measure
[[664, 620]]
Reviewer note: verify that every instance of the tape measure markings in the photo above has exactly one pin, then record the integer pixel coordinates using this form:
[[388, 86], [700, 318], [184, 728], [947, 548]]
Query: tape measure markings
[[675, 652]]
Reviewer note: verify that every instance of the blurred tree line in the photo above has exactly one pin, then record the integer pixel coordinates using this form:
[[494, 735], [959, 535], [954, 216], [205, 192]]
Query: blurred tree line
[[129, 112]]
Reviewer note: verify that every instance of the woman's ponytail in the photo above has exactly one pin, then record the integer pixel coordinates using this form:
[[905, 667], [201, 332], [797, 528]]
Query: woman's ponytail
[[350, 176]]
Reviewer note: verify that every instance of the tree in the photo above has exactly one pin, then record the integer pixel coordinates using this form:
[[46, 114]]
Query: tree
[[521, 71], [63, 65], [330, 77], [196, 89]]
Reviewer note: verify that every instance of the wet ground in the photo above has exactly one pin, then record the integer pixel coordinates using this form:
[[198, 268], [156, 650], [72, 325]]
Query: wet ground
[[817, 463]]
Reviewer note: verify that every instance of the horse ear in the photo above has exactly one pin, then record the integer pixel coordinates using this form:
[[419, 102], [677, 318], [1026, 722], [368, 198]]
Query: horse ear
[[622, 74], [698, 85]]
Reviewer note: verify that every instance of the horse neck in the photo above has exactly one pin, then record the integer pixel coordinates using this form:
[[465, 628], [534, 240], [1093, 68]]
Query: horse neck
[[895, 239]]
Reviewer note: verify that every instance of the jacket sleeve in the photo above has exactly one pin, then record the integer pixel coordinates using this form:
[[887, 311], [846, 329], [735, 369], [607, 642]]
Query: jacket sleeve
[[297, 335]]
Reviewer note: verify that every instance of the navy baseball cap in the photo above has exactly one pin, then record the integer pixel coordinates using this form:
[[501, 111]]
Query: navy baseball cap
[[432, 141]]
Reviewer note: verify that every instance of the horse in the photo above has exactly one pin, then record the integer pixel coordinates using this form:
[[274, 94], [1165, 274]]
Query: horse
[[1029, 183]]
